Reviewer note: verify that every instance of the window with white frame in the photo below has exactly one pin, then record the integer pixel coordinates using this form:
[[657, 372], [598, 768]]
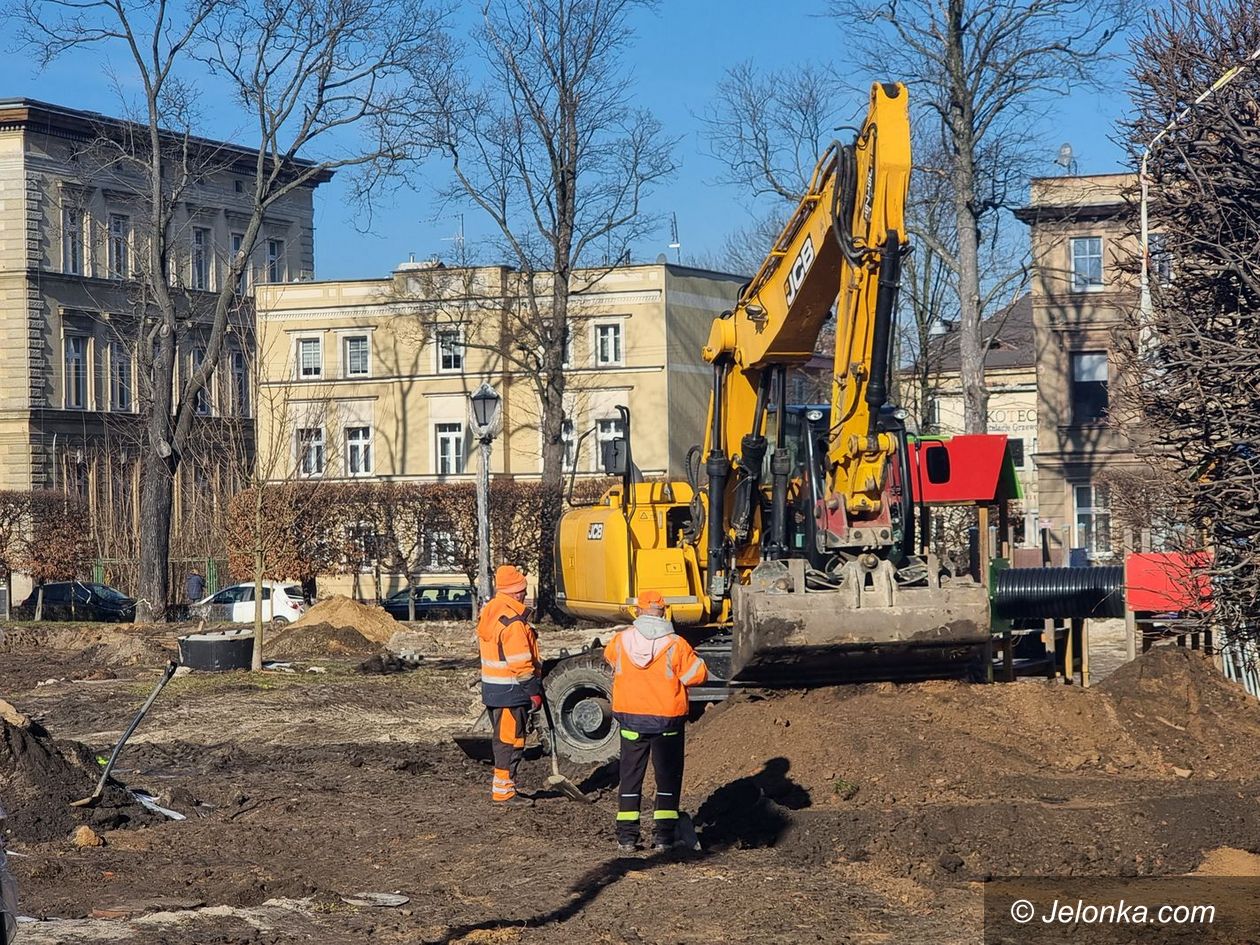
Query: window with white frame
[[238, 244], [355, 351], [277, 266], [363, 545], [358, 451], [310, 451], [568, 436], [119, 250], [200, 258], [1092, 506], [1087, 263], [72, 240], [201, 399], [932, 411], [240, 384], [449, 448], [1089, 386], [439, 551], [450, 346], [310, 358], [120, 381], [76, 372], [606, 431], [1161, 260], [607, 343]]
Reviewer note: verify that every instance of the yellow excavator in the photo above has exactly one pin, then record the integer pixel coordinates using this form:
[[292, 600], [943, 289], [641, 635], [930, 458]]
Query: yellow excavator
[[793, 560]]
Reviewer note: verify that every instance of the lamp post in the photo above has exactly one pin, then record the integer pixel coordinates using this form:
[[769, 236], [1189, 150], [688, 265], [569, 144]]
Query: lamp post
[[484, 403], [1144, 304]]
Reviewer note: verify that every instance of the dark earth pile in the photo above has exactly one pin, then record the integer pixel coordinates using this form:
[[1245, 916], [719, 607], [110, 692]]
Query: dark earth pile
[[39, 777], [1137, 776], [319, 640]]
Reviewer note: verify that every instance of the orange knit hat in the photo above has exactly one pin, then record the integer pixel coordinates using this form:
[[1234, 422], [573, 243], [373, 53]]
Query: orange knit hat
[[508, 579], [650, 599]]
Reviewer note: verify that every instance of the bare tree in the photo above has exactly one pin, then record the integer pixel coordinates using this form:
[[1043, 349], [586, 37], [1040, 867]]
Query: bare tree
[[1190, 360], [980, 70], [769, 130], [322, 86], [281, 450], [551, 150]]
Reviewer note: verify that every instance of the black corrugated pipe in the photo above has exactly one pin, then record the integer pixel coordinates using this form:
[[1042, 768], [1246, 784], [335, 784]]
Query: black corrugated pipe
[[1063, 593]]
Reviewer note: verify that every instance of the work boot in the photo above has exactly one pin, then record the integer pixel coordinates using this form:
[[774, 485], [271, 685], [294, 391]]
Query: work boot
[[514, 802], [627, 849]]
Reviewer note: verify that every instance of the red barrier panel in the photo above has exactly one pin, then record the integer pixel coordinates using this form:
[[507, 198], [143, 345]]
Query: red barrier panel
[[1161, 582]]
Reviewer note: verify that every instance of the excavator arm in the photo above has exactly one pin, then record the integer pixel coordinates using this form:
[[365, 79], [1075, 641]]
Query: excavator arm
[[841, 247]]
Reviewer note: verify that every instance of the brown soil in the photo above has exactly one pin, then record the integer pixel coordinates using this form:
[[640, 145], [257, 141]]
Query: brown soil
[[373, 622], [1226, 861], [312, 641], [39, 777], [855, 815]]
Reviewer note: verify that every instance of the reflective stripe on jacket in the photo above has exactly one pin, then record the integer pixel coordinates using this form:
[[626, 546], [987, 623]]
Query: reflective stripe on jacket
[[511, 670], [653, 698]]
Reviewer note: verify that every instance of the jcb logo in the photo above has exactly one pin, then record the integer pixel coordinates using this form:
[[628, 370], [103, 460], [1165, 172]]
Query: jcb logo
[[595, 531], [804, 259]]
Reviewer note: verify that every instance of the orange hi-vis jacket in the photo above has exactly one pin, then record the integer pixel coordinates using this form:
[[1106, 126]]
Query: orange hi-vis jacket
[[653, 698], [511, 670]]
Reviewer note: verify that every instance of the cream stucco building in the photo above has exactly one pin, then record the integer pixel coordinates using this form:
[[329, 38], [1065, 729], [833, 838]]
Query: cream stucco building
[[1084, 287], [72, 252], [370, 379]]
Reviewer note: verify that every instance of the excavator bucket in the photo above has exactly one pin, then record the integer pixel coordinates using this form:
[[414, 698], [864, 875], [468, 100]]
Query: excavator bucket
[[866, 627]]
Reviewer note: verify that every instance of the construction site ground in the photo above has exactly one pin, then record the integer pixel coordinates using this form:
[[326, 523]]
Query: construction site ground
[[858, 815]]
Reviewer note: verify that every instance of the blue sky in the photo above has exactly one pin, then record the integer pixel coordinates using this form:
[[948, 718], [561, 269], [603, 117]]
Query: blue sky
[[677, 59]]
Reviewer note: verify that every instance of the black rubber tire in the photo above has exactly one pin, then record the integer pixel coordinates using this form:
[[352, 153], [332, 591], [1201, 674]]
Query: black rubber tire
[[279, 623], [569, 681]]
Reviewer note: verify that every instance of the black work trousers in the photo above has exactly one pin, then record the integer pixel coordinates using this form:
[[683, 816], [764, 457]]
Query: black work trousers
[[666, 753]]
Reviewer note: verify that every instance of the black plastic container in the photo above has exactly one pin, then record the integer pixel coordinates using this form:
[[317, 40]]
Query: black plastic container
[[217, 652]]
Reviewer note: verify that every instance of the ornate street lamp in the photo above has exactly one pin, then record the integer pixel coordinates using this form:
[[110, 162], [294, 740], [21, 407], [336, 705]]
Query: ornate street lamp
[[484, 404]]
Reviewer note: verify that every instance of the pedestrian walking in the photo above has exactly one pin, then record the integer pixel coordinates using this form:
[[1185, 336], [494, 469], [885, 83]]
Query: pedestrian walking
[[194, 587], [511, 679], [652, 670]]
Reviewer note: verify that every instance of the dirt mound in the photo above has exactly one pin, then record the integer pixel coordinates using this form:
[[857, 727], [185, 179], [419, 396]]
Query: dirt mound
[[320, 640], [372, 622], [386, 664], [1226, 861], [1178, 702], [944, 780], [880, 743], [39, 777], [99, 645]]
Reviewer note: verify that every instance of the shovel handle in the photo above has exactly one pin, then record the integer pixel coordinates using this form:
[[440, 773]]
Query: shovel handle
[[167, 673]]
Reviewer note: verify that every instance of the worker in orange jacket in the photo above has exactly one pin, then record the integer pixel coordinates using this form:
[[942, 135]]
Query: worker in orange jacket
[[511, 679], [652, 669]]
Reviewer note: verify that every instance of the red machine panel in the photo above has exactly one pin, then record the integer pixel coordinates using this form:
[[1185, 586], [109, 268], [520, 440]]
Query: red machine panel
[[973, 468]]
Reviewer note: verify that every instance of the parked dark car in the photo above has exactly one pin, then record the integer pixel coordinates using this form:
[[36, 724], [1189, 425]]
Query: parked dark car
[[75, 600], [433, 602]]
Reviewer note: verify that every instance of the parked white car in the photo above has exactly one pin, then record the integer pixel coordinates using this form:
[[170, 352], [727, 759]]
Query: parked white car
[[282, 604]]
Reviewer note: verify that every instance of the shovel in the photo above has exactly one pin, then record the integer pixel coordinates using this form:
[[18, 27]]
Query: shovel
[[96, 795], [555, 780]]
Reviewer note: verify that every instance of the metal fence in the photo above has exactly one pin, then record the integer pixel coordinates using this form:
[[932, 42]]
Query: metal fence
[[1240, 659], [124, 574]]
